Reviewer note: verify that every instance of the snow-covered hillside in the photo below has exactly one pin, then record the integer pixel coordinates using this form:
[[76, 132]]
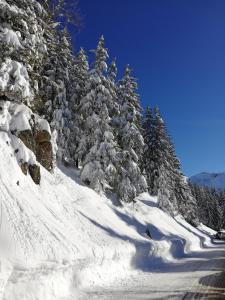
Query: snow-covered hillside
[[213, 180], [60, 237]]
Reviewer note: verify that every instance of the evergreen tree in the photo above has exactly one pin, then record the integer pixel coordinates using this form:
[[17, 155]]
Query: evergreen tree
[[56, 77], [80, 79], [148, 131], [210, 205], [62, 114], [160, 164], [129, 181], [22, 50], [186, 201], [115, 110], [162, 169], [112, 72], [98, 148]]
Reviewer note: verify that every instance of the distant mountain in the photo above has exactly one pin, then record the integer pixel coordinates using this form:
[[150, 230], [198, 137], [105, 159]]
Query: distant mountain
[[214, 180]]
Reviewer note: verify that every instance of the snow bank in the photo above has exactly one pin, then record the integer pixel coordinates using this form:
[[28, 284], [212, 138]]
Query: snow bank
[[61, 236]]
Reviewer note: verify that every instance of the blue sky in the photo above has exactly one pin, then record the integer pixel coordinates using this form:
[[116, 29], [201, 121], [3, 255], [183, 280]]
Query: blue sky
[[177, 51]]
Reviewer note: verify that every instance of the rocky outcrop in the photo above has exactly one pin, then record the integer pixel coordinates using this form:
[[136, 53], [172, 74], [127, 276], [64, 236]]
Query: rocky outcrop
[[43, 149], [27, 138], [31, 138], [39, 142], [33, 170]]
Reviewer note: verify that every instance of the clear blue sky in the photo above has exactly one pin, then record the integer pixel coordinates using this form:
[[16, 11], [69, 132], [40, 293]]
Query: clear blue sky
[[177, 51]]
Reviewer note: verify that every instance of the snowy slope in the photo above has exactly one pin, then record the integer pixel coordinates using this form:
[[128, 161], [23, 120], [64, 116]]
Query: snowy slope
[[60, 237], [214, 180]]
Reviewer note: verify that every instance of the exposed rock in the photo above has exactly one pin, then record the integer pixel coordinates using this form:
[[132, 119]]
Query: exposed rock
[[24, 168], [39, 142], [44, 151], [44, 155], [42, 136], [27, 138], [35, 173]]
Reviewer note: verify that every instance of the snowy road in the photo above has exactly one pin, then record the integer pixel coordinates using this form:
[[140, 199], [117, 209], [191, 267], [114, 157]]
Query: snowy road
[[201, 276]]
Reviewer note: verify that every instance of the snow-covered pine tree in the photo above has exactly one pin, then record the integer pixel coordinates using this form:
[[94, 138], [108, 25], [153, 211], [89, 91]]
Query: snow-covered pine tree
[[201, 205], [80, 78], [129, 181], [209, 206], [97, 149], [112, 72], [158, 161], [62, 113], [222, 206], [115, 111], [130, 108], [55, 80], [147, 125], [216, 209], [158, 149], [22, 49], [162, 169], [186, 201]]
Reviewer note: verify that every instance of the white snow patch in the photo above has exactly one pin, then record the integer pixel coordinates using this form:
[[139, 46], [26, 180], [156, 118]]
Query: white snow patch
[[14, 81], [43, 125], [16, 117], [10, 37]]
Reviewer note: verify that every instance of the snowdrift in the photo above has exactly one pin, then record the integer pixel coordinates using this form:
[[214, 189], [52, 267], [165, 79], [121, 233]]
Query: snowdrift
[[60, 237]]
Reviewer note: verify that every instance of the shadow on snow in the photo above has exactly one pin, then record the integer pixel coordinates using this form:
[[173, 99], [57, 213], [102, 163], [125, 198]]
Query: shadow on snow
[[145, 261]]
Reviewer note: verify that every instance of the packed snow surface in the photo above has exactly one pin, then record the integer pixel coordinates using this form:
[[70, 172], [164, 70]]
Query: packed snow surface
[[212, 180], [60, 238]]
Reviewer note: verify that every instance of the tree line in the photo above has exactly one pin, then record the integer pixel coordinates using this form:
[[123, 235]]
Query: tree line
[[210, 206]]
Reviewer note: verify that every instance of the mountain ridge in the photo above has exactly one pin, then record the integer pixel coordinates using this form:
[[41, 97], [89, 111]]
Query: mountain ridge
[[209, 179]]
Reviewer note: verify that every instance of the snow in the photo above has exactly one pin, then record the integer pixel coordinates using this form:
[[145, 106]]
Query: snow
[[198, 278], [43, 125], [10, 37], [4, 115], [61, 238], [21, 152], [16, 117], [21, 116], [14, 80]]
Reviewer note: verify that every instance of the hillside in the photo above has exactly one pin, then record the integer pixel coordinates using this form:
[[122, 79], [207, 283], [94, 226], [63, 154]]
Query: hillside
[[212, 180], [60, 237]]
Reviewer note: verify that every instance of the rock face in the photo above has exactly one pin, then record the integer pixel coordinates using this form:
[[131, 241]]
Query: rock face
[[27, 138], [44, 152], [39, 142]]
